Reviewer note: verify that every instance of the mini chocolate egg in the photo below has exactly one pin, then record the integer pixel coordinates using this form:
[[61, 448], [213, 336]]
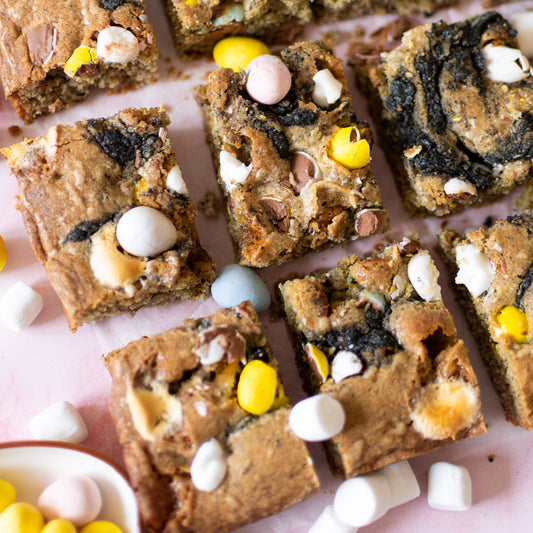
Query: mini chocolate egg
[[145, 232], [8, 494], [21, 517], [269, 79], [73, 498], [59, 526], [101, 526]]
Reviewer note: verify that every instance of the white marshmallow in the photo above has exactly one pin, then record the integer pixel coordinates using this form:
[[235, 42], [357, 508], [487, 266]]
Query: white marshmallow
[[523, 23], [60, 421], [209, 466], [423, 275], [329, 522], [505, 64], [317, 418], [232, 171], [456, 186], [475, 269], [363, 499], [117, 45], [402, 481], [345, 364], [145, 232], [19, 306], [449, 487], [175, 181], [327, 89]]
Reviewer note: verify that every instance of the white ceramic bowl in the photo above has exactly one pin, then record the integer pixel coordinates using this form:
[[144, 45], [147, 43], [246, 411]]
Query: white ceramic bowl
[[32, 465]]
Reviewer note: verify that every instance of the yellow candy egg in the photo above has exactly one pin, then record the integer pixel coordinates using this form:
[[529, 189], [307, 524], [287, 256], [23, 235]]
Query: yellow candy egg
[[59, 526], [101, 526], [236, 52], [318, 362], [21, 517], [348, 149], [3, 253], [257, 387], [513, 322], [7, 491], [80, 56]]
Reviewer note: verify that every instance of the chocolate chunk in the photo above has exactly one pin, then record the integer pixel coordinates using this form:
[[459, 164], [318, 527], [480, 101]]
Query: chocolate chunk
[[113, 4], [408, 246], [277, 211], [227, 338], [277, 138], [303, 171], [87, 70], [369, 221], [42, 43], [85, 229]]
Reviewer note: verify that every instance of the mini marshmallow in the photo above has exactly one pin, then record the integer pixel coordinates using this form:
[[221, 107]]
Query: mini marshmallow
[[145, 232], [402, 481], [269, 79], [208, 467], [327, 89], [317, 418], [329, 522], [455, 186], [344, 365], [449, 487], [523, 23], [175, 181], [423, 275], [60, 421], [117, 45], [19, 306], [363, 499], [475, 269], [232, 171], [505, 64]]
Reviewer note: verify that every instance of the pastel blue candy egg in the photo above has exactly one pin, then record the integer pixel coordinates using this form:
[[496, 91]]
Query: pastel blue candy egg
[[236, 283]]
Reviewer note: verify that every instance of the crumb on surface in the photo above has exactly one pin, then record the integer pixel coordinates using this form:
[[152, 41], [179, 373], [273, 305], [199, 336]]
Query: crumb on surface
[[14, 130]]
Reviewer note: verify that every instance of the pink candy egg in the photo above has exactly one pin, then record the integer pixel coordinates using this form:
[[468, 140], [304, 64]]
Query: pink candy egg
[[269, 79], [73, 498]]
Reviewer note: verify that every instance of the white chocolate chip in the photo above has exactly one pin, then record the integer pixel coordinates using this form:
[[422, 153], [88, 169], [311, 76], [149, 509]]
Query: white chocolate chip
[[523, 23], [232, 171], [213, 351], [455, 186], [423, 275], [505, 64], [175, 181], [208, 467], [475, 269], [345, 364], [449, 487], [117, 45], [19, 306], [327, 89], [145, 232], [317, 418]]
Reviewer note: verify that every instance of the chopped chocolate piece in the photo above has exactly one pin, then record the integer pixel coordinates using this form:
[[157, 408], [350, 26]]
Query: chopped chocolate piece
[[41, 42]]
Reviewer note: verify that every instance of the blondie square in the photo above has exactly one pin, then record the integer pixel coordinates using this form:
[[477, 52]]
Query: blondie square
[[197, 26], [179, 391], [452, 105], [277, 164], [493, 271], [374, 334], [80, 184], [52, 55]]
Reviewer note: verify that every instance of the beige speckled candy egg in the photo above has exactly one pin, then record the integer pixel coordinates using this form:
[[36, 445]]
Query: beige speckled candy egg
[[145, 232]]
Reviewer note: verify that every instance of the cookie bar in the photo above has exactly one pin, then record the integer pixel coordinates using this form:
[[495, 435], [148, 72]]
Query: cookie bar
[[179, 391], [345, 9], [278, 164], [374, 334], [493, 271], [197, 26], [452, 105], [52, 57], [79, 185]]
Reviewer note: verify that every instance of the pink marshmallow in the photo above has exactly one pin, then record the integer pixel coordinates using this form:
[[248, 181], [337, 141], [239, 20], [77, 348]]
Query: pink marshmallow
[[269, 79]]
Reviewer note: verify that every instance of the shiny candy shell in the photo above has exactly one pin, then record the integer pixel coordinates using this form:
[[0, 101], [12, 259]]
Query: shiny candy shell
[[236, 284], [100, 526], [21, 517], [257, 387], [269, 79], [237, 52], [348, 149], [145, 232], [59, 526], [7, 494], [3, 253]]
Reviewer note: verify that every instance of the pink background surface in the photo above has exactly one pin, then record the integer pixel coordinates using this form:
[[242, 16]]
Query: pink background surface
[[46, 363]]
